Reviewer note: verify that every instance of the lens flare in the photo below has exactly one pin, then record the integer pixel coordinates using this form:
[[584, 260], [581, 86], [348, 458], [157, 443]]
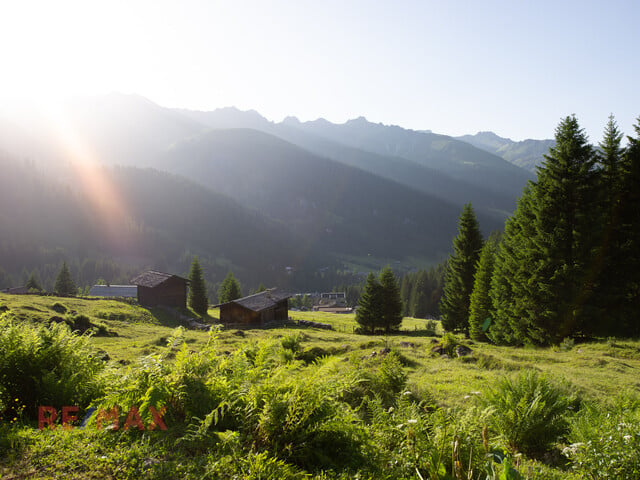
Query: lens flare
[[90, 177]]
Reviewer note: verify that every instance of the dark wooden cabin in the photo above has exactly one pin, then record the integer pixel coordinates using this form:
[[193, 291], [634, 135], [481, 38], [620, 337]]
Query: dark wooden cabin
[[256, 310], [158, 288]]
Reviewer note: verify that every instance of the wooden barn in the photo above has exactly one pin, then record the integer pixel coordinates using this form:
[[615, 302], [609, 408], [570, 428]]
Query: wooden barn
[[158, 288], [256, 310]]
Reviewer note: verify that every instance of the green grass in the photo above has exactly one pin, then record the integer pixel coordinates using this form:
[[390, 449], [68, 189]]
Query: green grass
[[594, 372]]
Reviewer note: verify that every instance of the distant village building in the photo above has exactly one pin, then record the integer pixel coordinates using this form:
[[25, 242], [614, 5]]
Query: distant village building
[[257, 309], [320, 308], [333, 295], [15, 290], [117, 291], [158, 288]]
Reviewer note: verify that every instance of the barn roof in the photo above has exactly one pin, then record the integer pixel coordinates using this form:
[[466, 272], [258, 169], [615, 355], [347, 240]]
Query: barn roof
[[153, 279], [114, 291], [261, 301]]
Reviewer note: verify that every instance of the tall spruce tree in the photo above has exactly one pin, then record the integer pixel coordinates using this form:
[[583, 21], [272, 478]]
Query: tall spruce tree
[[458, 284], [629, 271], [565, 202], [64, 282], [405, 294], [610, 291], [513, 310], [480, 307], [369, 305], [198, 299], [543, 283], [33, 283], [419, 297], [229, 289], [391, 303]]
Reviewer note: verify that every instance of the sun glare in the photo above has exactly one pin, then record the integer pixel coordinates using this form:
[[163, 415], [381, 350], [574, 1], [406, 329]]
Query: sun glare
[[90, 175]]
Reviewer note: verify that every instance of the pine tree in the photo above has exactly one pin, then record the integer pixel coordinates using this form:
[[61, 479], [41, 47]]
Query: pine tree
[[610, 291], [543, 282], [64, 282], [513, 311], [565, 202], [198, 299], [33, 283], [420, 295], [480, 308], [454, 305], [405, 294], [229, 289], [369, 305], [390, 301], [629, 271]]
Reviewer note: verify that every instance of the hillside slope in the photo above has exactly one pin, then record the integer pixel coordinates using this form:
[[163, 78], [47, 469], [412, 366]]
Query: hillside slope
[[527, 154], [137, 217], [341, 208]]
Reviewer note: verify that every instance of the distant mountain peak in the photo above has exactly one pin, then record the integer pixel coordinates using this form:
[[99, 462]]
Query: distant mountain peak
[[491, 135], [358, 121], [291, 120], [526, 153]]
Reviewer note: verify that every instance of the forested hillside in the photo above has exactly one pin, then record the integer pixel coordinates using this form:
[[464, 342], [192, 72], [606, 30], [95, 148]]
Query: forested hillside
[[151, 219], [310, 205]]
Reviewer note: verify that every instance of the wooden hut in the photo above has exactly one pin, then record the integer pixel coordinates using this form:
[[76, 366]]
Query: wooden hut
[[158, 288], [256, 310]]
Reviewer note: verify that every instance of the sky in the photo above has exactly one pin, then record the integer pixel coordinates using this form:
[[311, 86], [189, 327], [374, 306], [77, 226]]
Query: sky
[[455, 67]]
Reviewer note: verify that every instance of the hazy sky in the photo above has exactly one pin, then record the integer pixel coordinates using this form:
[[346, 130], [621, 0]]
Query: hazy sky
[[514, 67]]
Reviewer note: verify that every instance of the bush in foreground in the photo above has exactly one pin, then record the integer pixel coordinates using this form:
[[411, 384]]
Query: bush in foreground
[[528, 412], [46, 365]]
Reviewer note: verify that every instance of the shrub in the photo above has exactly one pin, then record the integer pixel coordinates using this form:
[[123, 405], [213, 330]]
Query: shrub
[[59, 307], [567, 344], [431, 326], [312, 354], [47, 365], [606, 442], [528, 412], [292, 342], [449, 343]]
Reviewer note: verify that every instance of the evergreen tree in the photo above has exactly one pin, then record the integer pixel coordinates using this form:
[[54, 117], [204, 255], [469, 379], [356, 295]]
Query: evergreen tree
[[390, 301], [512, 309], [261, 288], [480, 308], [610, 290], [405, 295], [420, 295], [369, 306], [565, 203], [64, 282], [543, 279], [629, 251], [229, 289], [198, 299], [33, 283], [454, 305]]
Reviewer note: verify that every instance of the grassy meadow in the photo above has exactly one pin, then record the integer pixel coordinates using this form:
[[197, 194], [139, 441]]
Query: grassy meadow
[[370, 382]]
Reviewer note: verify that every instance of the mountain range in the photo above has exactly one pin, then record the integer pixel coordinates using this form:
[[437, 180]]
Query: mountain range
[[277, 202], [527, 154]]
